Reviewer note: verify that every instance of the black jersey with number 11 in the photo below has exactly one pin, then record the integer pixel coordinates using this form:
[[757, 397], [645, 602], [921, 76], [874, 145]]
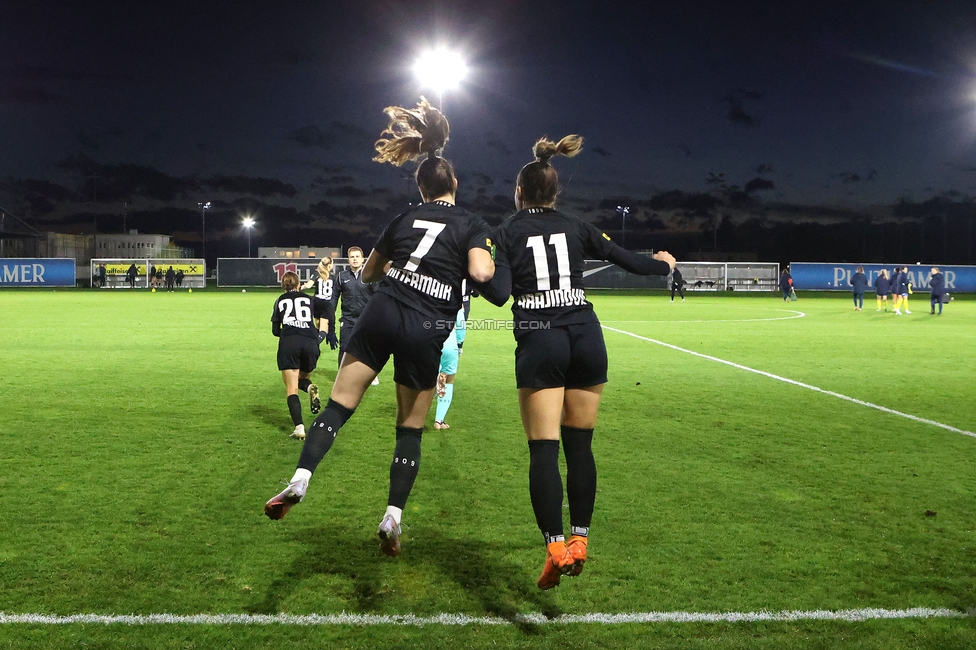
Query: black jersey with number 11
[[428, 248], [546, 251]]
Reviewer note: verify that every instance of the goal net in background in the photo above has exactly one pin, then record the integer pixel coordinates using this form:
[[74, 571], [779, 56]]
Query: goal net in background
[[730, 276], [116, 269]]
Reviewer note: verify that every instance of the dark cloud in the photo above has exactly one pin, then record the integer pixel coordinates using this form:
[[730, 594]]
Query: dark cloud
[[255, 186], [854, 177], [311, 136], [764, 169], [758, 184], [494, 141], [600, 151], [737, 113], [482, 179], [346, 191], [338, 133]]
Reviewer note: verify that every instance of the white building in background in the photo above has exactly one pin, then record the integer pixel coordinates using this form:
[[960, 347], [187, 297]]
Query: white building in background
[[135, 245], [299, 252]]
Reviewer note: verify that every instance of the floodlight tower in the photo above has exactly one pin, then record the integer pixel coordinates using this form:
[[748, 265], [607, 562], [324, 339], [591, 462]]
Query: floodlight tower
[[248, 223], [624, 210], [440, 70], [203, 224]]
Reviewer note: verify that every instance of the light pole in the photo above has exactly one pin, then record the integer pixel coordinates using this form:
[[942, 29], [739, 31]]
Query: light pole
[[440, 70], [248, 223], [624, 211], [203, 221]]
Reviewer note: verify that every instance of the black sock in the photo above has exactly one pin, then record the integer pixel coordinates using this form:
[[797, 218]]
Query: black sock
[[546, 488], [405, 465], [319, 438], [303, 384], [580, 477], [295, 408]]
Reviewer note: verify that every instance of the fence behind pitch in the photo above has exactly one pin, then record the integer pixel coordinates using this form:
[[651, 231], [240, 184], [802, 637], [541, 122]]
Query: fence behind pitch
[[194, 271]]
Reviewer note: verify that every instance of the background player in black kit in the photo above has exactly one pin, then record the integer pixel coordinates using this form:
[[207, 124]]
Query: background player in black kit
[[677, 284], [560, 357], [355, 293], [323, 302], [298, 348], [421, 258]]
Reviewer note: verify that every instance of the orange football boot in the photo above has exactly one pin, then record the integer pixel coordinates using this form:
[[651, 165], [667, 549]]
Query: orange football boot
[[558, 562], [577, 550]]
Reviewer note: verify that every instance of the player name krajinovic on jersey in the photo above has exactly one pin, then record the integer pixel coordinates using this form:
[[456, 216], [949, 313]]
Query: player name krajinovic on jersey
[[553, 298], [428, 251]]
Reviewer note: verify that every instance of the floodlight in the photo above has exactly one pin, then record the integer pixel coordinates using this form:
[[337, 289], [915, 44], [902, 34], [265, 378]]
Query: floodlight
[[440, 69]]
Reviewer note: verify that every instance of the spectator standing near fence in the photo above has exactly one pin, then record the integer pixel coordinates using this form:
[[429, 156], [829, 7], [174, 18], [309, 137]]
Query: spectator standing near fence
[[170, 279], [937, 287], [900, 285], [786, 283], [131, 274], [882, 287], [859, 283]]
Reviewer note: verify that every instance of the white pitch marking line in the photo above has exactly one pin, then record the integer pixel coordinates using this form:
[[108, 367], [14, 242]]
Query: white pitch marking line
[[799, 314], [885, 409], [849, 615]]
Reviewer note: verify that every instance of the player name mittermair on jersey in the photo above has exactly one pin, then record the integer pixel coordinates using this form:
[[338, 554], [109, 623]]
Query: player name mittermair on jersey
[[553, 298], [423, 283]]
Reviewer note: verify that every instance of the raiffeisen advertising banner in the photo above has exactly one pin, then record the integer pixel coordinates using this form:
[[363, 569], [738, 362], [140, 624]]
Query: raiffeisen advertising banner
[[37, 272], [837, 277]]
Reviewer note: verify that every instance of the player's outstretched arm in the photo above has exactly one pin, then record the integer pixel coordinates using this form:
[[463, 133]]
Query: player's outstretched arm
[[660, 263], [376, 267]]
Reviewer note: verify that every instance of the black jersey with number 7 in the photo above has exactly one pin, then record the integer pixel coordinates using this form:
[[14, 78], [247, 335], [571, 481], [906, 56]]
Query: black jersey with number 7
[[428, 248]]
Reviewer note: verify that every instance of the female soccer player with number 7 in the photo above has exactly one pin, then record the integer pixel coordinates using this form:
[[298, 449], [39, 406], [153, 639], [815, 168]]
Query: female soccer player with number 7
[[421, 258]]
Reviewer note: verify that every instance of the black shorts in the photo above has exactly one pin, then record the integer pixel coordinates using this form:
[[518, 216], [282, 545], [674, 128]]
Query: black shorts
[[573, 356], [322, 308], [297, 352], [388, 327]]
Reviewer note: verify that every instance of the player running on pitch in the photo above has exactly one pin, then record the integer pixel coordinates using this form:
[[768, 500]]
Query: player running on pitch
[[421, 258], [560, 356], [298, 348]]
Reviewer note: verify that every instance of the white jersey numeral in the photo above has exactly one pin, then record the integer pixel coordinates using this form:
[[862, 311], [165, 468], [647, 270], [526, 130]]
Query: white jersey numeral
[[433, 229], [301, 307], [541, 258]]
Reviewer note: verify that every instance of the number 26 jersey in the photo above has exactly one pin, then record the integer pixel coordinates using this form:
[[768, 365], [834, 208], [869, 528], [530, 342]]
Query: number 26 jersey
[[292, 315]]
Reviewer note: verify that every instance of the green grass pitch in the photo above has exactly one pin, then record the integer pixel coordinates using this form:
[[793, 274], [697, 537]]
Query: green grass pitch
[[140, 435]]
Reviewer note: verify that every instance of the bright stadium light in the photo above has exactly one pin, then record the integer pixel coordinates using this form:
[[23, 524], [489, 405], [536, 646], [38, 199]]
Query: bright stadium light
[[440, 70], [248, 223]]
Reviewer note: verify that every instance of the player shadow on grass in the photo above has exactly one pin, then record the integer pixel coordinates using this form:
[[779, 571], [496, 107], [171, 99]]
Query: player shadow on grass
[[276, 418], [337, 550], [478, 568], [481, 570]]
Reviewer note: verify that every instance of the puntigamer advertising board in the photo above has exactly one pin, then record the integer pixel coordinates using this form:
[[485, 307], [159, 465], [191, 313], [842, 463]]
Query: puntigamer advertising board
[[837, 277], [37, 272]]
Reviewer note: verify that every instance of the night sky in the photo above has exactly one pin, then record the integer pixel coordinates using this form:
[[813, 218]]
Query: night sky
[[839, 109]]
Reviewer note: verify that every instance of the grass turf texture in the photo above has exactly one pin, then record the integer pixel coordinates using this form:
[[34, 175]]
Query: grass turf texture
[[140, 435]]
